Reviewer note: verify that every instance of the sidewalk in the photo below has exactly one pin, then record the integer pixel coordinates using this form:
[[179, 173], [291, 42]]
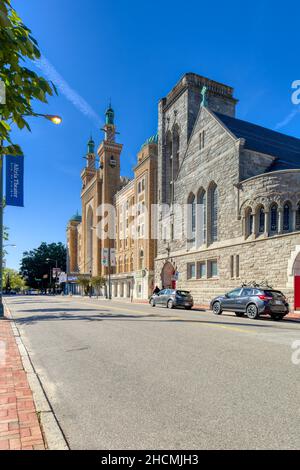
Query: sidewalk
[[19, 425]]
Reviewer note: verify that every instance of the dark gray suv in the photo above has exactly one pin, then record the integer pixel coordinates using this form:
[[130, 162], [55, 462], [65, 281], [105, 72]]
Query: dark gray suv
[[172, 298], [253, 302]]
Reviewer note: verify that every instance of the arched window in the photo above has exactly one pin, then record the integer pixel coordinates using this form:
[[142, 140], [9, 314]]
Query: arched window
[[274, 218], [261, 220], [249, 222], [214, 199], [169, 166], [191, 217], [141, 259], [176, 144], [298, 217], [131, 263], [202, 216], [287, 217]]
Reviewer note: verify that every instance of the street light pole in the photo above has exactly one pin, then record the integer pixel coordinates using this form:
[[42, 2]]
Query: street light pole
[[1, 230], [55, 120]]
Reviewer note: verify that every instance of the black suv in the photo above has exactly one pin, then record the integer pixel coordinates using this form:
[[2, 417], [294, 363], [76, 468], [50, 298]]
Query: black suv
[[252, 301]]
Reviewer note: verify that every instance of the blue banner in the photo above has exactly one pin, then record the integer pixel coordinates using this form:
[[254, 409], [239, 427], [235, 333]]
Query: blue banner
[[14, 180]]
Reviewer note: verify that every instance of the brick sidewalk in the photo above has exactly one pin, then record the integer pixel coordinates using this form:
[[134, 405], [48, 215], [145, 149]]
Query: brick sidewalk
[[19, 425]]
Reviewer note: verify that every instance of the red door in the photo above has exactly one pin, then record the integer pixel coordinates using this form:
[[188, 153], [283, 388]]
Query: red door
[[297, 292]]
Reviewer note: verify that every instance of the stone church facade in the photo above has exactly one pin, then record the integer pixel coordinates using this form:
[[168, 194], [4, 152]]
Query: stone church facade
[[227, 194], [240, 186]]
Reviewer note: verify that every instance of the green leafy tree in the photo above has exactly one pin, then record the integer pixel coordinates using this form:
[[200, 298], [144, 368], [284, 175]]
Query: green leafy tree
[[13, 281], [34, 264], [85, 283], [22, 85], [98, 282]]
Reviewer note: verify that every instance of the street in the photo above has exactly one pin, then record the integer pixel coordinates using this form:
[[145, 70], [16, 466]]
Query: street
[[128, 376]]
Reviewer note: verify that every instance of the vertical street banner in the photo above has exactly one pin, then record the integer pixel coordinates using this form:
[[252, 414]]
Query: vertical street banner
[[14, 181], [113, 262], [104, 257]]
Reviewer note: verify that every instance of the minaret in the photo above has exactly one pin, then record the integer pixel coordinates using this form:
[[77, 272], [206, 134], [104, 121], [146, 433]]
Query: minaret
[[109, 155], [89, 171], [90, 158]]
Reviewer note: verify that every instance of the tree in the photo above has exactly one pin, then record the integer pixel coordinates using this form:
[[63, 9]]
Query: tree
[[12, 281], [85, 283], [34, 264], [22, 85], [98, 282]]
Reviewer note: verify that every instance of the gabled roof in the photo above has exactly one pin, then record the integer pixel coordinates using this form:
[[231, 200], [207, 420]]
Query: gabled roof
[[285, 148]]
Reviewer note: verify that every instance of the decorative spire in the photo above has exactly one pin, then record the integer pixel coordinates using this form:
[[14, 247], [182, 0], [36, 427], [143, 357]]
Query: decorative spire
[[91, 146]]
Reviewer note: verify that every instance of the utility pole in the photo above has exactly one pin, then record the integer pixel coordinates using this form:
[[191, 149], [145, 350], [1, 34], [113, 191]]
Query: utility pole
[[1, 230]]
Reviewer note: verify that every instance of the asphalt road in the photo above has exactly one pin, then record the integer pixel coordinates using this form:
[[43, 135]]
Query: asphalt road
[[128, 376]]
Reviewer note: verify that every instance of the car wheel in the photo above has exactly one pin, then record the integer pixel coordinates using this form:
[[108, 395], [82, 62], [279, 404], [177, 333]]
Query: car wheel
[[252, 311], [239, 314], [152, 303], [170, 304], [217, 309], [188, 308], [277, 316]]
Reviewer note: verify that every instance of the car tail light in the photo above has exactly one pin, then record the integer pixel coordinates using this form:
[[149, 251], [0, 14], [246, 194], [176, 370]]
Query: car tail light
[[264, 297]]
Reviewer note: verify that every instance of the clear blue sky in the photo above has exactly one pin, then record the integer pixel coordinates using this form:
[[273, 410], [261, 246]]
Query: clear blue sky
[[134, 52]]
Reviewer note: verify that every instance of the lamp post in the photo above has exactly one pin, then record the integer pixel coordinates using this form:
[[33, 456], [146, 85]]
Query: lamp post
[[56, 268], [55, 120]]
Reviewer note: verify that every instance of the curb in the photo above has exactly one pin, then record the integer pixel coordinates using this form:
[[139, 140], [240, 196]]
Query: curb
[[52, 433]]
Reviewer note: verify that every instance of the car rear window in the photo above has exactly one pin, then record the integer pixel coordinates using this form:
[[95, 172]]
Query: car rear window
[[276, 294], [183, 293]]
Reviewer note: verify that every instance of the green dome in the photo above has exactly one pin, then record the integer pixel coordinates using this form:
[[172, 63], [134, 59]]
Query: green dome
[[76, 218], [110, 116], [152, 140]]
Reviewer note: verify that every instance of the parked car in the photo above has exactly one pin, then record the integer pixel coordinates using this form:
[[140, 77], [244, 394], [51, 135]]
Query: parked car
[[172, 298], [253, 302]]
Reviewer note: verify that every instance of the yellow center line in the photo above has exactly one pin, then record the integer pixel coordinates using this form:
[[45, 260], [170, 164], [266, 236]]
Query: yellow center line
[[186, 320]]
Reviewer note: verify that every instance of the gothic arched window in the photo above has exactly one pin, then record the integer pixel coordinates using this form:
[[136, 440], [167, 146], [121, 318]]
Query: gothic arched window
[[298, 217], [287, 217], [202, 216], [214, 199], [191, 217], [274, 218]]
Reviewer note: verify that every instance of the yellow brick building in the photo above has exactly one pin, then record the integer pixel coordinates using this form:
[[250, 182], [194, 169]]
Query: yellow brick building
[[122, 250]]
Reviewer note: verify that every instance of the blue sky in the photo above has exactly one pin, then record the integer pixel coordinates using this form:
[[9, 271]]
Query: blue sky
[[134, 52]]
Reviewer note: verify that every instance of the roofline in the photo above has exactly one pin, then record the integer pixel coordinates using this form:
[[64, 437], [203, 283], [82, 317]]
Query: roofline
[[292, 170]]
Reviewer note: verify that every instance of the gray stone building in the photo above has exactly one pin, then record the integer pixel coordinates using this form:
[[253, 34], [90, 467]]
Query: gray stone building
[[229, 192]]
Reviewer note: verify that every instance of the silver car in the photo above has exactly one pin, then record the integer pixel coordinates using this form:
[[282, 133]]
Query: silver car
[[172, 298]]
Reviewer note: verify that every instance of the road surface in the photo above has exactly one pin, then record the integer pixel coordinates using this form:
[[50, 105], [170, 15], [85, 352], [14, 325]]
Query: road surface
[[128, 376]]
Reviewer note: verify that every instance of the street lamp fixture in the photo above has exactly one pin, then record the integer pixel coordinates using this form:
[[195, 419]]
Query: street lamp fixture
[[54, 119]]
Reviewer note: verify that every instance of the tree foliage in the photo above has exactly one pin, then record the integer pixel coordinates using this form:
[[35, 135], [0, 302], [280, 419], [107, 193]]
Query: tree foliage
[[23, 85], [85, 283], [34, 264], [12, 280]]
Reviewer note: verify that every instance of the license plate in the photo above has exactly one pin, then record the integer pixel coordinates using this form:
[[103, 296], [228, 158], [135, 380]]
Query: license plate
[[278, 302]]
